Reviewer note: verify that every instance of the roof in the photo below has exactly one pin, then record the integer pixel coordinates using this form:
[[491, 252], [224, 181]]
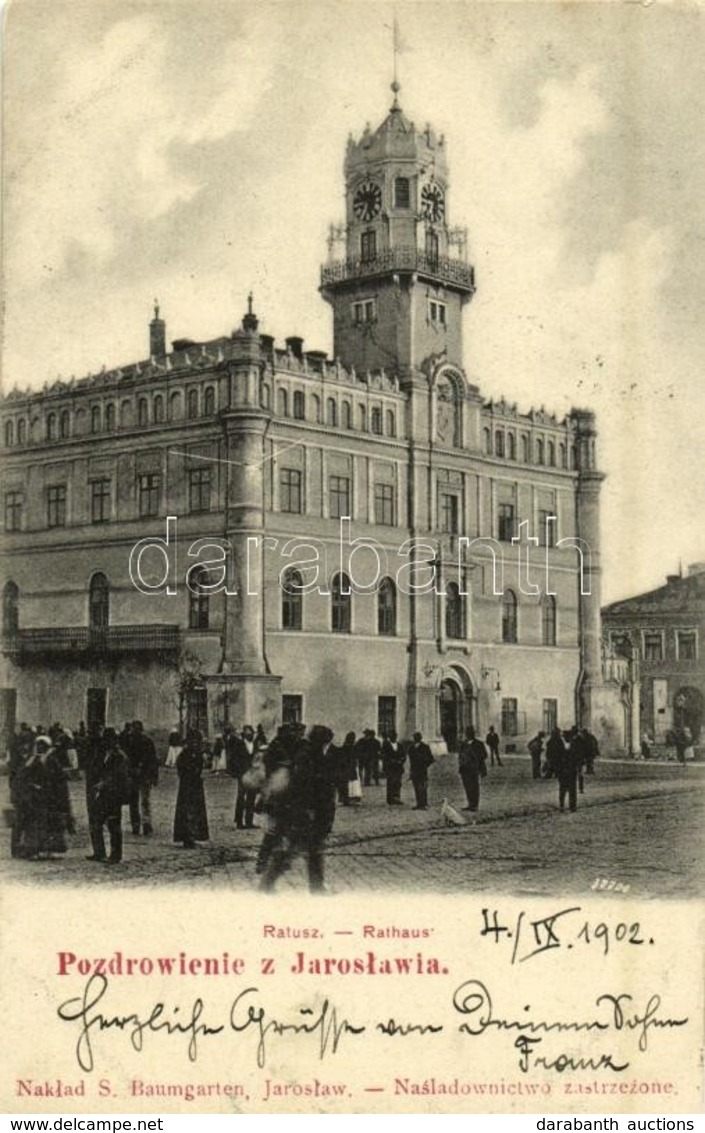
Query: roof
[[677, 595]]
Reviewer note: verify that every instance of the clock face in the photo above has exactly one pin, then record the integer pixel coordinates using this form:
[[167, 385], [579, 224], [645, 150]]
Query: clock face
[[433, 205], [367, 201]]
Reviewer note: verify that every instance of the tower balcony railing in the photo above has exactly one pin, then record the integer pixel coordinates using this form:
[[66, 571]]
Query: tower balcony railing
[[116, 640], [405, 258]]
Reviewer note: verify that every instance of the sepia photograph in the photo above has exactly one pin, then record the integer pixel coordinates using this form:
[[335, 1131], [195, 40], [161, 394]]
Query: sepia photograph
[[352, 473]]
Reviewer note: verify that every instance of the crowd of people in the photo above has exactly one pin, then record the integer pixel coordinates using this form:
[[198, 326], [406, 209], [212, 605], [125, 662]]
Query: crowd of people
[[292, 783]]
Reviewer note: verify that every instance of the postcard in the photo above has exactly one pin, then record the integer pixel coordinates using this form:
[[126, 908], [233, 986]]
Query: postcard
[[352, 693]]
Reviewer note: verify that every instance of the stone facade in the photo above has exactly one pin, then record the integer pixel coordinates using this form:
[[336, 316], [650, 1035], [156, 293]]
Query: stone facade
[[484, 520]]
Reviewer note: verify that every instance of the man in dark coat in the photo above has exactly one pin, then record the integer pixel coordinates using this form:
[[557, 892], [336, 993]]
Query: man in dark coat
[[190, 817], [567, 765], [492, 741], [535, 750], [240, 751], [472, 765], [393, 760], [370, 757], [420, 759], [309, 810], [112, 787], [144, 768], [555, 750]]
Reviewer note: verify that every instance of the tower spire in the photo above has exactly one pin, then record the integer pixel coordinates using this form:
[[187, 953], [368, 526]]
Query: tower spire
[[395, 85]]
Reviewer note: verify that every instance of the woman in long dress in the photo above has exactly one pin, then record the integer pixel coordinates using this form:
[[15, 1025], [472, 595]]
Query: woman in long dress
[[190, 818]]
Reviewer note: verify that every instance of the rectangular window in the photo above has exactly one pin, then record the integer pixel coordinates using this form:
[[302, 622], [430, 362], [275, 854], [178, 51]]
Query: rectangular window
[[437, 312], [653, 647], [368, 245], [505, 525], [384, 504], [13, 511], [149, 485], [449, 514], [402, 193], [292, 709], [197, 709], [386, 715], [56, 506], [290, 490], [100, 501], [199, 489], [509, 717], [364, 311], [550, 716], [339, 497], [546, 530], [687, 644]]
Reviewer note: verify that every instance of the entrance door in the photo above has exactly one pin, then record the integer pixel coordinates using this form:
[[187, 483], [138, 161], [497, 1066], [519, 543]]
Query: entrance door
[[450, 705], [96, 704]]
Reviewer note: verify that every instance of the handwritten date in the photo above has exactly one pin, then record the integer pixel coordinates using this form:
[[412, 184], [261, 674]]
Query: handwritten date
[[566, 928]]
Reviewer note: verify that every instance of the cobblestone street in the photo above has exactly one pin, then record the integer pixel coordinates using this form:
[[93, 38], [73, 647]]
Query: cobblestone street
[[638, 824]]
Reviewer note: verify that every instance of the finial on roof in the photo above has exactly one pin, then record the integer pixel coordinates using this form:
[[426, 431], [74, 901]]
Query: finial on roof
[[396, 47], [156, 308], [250, 321]]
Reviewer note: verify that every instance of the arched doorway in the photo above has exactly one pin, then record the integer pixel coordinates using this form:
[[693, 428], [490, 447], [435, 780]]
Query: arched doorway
[[455, 703], [688, 710]]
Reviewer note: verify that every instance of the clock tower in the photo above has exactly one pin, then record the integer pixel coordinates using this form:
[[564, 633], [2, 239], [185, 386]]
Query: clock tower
[[398, 293]]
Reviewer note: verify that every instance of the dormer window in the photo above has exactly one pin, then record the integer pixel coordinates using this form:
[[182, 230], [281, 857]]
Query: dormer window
[[402, 193], [368, 246]]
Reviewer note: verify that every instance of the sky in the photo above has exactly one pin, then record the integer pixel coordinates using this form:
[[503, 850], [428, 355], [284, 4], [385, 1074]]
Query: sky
[[193, 151]]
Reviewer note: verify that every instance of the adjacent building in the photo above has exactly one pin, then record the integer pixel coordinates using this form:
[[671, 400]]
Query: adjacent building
[[180, 532], [663, 632]]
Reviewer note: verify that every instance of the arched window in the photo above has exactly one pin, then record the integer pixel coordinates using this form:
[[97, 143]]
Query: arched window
[[51, 427], [142, 412], [551, 454], [499, 443], [525, 450], [376, 421], [511, 446], [198, 608], [488, 442], [292, 600], [362, 417], [99, 602], [175, 406], [539, 450], [387, 608], [331, 412], [316, 402], [158, 409], [573, 456], [391, 423], [10, 609], [548, 619], [563, 456], [192, 404], [432, 247], [110, 417], [341, 604], [209, 401], [509, 617], [64, 424], [9, 434], [265, 396], [125, 414], [283, 403], [95, 419], [455, 622], [347, 415], [299, 405], [21, 431]]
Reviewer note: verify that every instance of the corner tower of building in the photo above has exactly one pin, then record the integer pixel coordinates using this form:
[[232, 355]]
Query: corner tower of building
[[398, 293]]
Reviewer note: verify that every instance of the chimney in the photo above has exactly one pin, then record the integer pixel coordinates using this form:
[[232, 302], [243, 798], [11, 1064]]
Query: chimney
[[671, 579], [296, 346], [267, 345], [157, 335]]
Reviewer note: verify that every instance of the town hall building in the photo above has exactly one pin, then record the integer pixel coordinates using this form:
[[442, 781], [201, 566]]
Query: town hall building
[[183, 536]]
